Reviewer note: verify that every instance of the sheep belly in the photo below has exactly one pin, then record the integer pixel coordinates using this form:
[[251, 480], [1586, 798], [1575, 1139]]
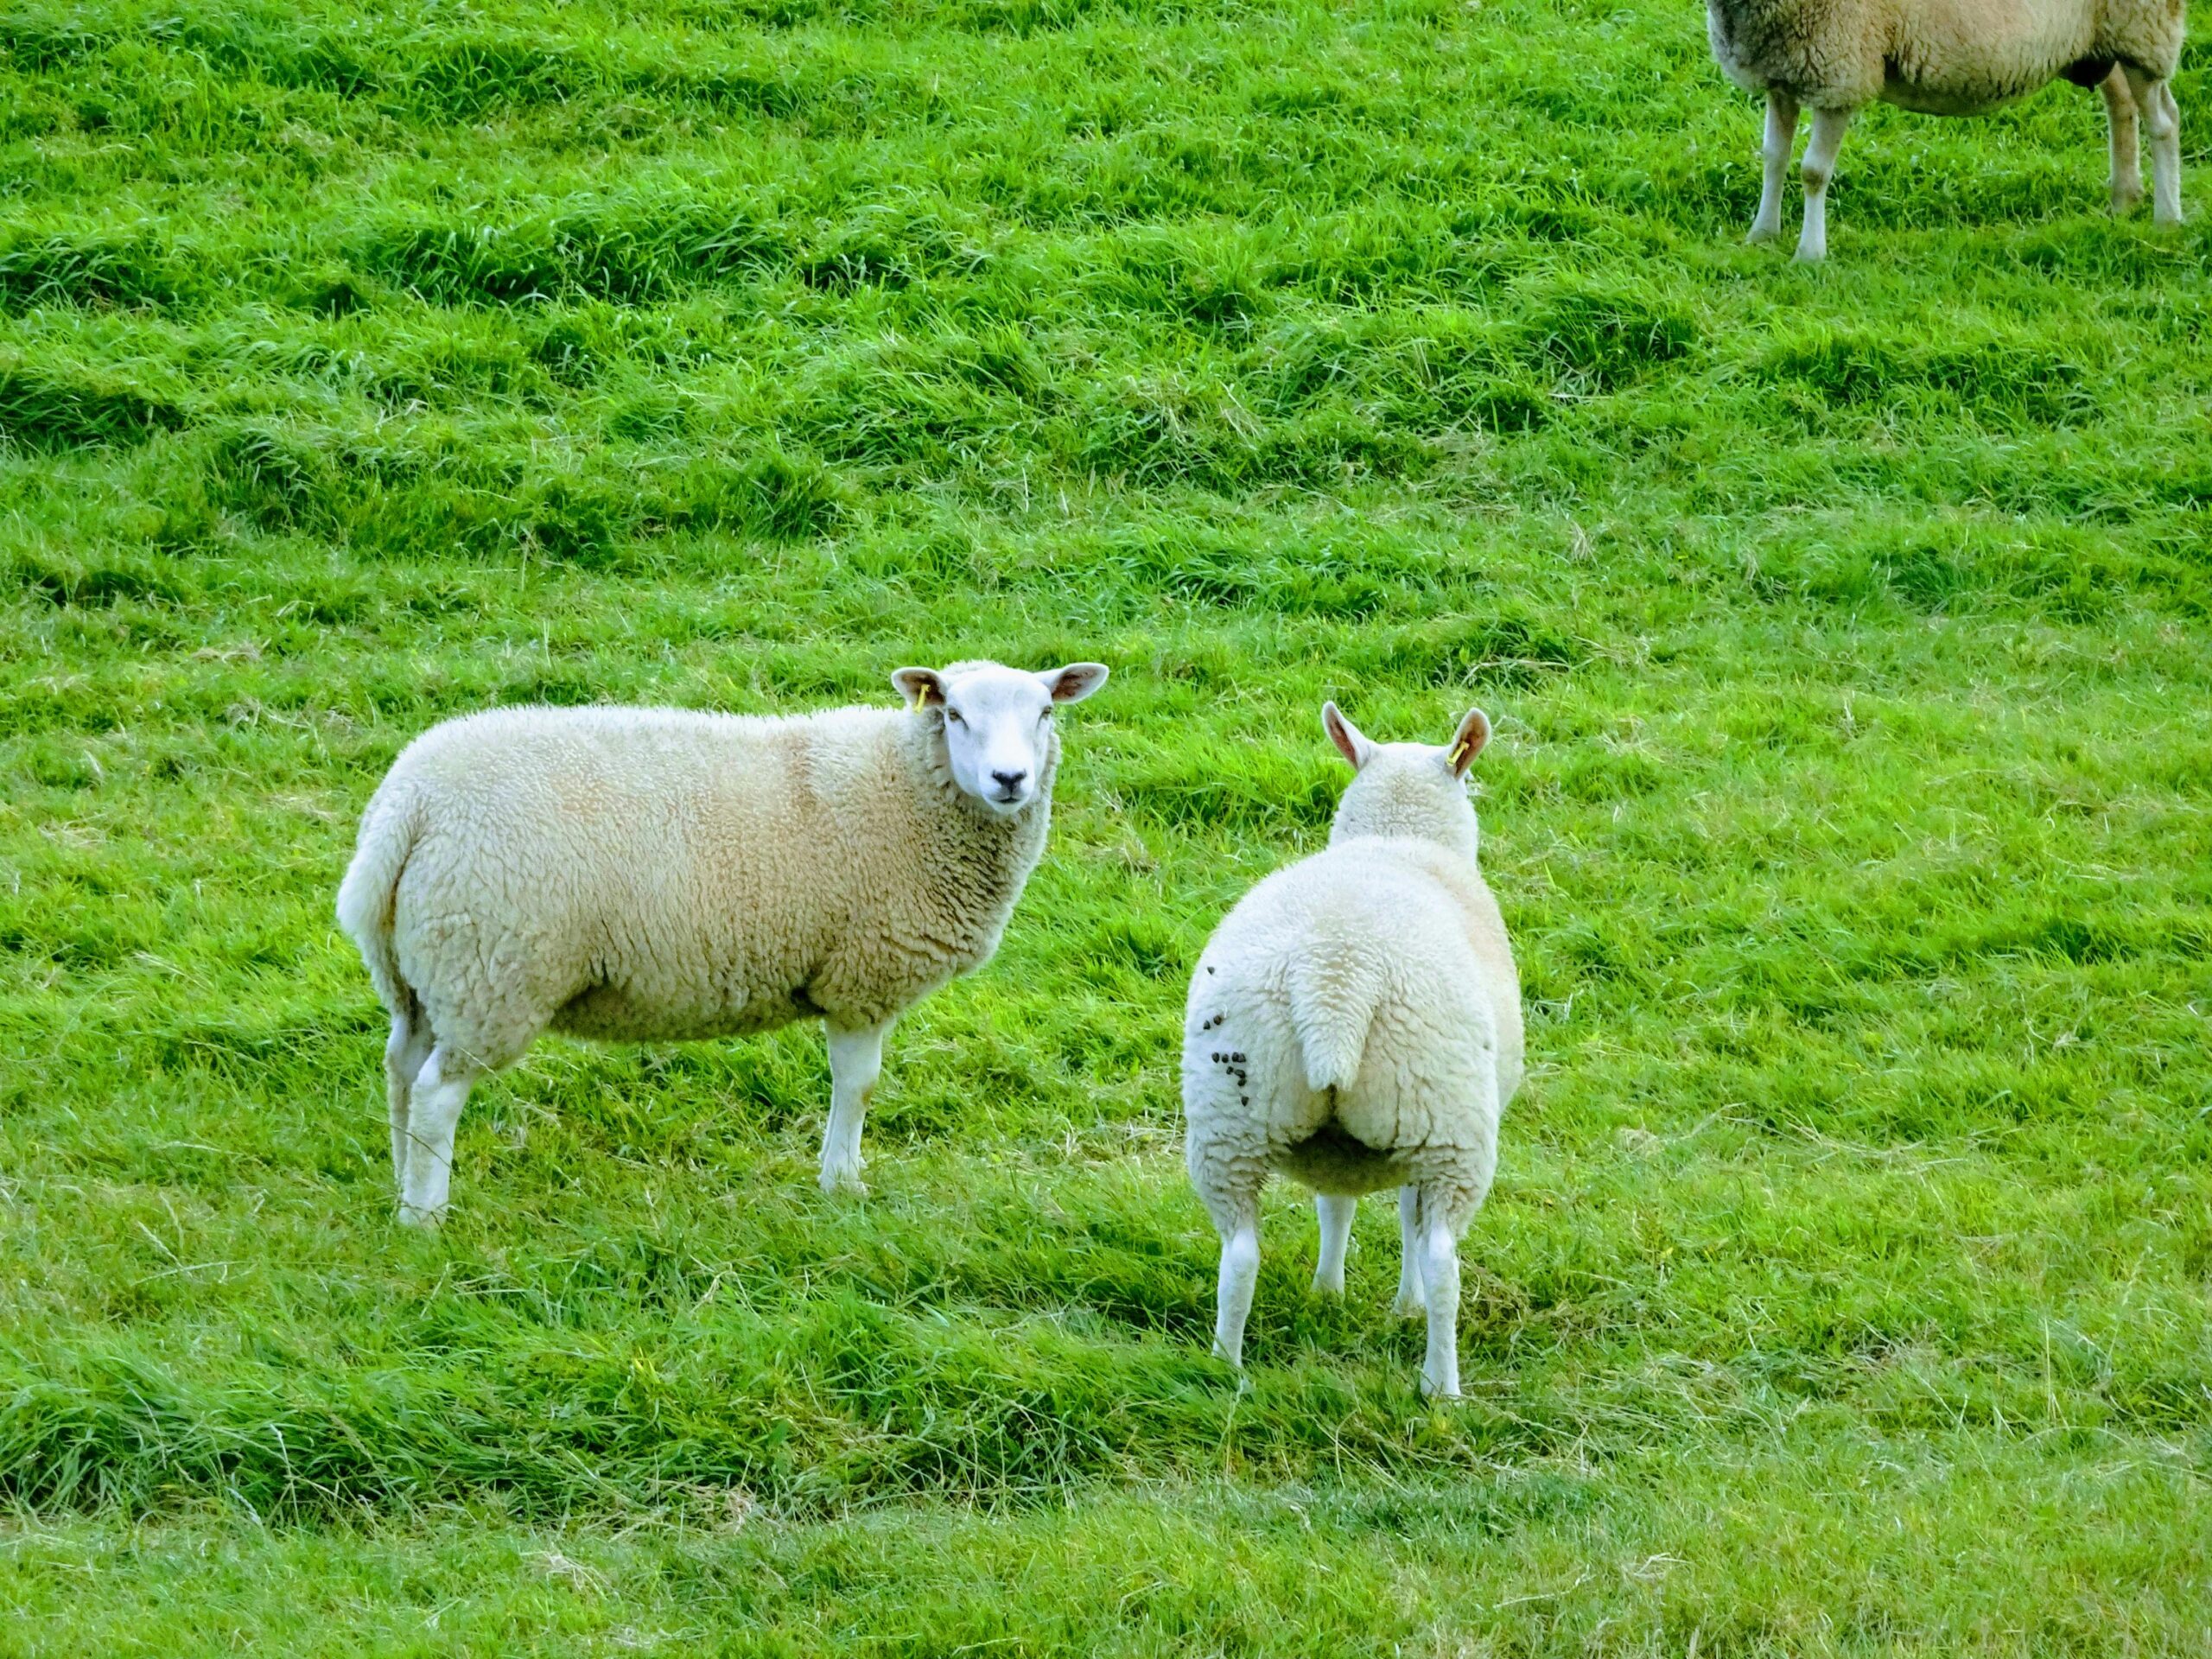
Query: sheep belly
[[1969, 95], [1331, 1161], [612, 1012], [1952, 65]]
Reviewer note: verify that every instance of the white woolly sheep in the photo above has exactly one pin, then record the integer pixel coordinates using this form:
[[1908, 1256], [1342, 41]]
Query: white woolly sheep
[[1948, 57], [1355, 1022], [659, 875]]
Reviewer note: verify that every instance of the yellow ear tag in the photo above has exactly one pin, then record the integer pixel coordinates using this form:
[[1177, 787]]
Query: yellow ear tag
[[1459, 753]]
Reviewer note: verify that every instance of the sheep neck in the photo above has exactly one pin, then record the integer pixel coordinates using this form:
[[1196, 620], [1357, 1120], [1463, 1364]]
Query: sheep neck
[[973, 861]]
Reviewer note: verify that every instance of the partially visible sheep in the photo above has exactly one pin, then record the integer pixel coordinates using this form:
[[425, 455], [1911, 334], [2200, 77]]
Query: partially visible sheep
[[657, 874], [1355, 1022], [1948, 57]]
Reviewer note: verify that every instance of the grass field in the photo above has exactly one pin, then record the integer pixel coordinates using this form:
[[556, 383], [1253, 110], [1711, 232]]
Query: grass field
[[1847, 1287]]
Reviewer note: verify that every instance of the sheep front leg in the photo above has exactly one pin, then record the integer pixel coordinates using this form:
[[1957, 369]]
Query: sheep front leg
[[1816, 170], [1410, 1300], [1335, 1214], [855, 1062], [1774, 157], [2120, 121], [441, 1090]]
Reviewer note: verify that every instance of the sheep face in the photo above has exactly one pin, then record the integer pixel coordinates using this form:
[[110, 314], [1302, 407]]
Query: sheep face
[[998, 724], [1407, 789]]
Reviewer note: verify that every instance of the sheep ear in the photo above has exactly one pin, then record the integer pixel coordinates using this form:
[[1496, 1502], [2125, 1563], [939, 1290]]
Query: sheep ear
[[1075, 681], [1467, 742], [1350, 741], [920, 687]]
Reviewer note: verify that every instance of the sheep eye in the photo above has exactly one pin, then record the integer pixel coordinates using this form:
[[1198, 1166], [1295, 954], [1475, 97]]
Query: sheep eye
[[953, 715]]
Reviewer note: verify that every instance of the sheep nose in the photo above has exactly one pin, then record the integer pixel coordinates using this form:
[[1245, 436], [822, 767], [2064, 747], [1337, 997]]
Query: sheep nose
[[1009, 781]]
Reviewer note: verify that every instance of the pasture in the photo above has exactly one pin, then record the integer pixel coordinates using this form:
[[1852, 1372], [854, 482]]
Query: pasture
[[1847, 1285]]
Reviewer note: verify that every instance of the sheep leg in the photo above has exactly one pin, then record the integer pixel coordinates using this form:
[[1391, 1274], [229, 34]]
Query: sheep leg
[[1240, 1272], [1335, 1214], [855, 1062], [1439, 1274], [2127, 163], [1228, 1161], [2154, 101], [404, 1050], [2170, 146], [441, 1090], [1774, 157], [1816, 170], [1410, 1300]]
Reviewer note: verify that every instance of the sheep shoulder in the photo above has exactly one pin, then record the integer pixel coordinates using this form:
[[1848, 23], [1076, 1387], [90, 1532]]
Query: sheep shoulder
[[1802, 47], [933, 877], [1380, 910]]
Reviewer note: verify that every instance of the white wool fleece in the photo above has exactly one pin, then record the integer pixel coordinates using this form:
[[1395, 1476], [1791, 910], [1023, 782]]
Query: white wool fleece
[[660, 875], [1948, 57], [1355, 1023]]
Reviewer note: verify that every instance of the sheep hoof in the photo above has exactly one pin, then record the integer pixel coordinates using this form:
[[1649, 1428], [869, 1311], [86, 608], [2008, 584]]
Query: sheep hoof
[[1762, 233], [1434, 1393], [1332, 1287], [843, 1182], [1409, 1306], [2124, 204], [426, 1220]]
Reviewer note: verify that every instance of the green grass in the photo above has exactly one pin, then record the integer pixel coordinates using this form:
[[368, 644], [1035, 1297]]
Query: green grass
[[1847, 1287]]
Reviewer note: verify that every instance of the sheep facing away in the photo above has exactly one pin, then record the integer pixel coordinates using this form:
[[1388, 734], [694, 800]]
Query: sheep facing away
[[657, 874], [1355, 1022], [1948, 57]]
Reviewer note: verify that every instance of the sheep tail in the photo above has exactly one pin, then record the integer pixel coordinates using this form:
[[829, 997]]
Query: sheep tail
[[1333, 997], [365, 897]]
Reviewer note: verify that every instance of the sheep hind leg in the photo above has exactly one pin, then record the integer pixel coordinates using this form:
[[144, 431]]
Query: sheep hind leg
[[2126, 161], [855, 1062], [1774, 159], [404, 1050], [1816, 170], [2154, 101], [441, 1090], [1240, 1273], [1440, 1224], [1229, 1176], [1335, 1213], [1410, 1300]]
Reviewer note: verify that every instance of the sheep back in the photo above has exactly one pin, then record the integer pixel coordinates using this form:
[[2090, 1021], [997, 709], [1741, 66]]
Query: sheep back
[[1348, 1013]]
